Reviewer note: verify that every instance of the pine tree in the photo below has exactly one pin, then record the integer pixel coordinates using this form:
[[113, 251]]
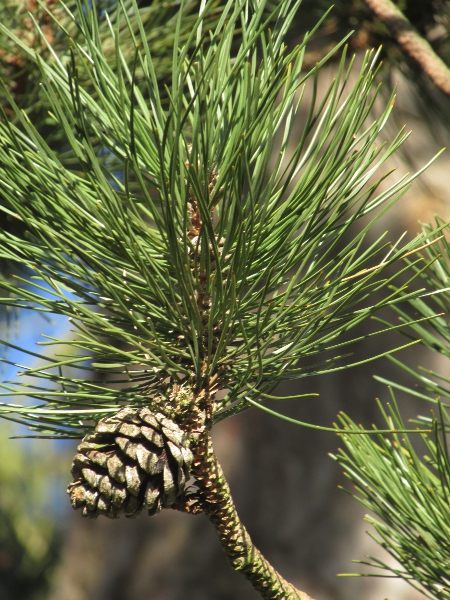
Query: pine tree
[[199, 260]]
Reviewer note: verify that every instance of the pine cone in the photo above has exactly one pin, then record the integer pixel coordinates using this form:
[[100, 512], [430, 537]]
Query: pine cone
[[134, 460]]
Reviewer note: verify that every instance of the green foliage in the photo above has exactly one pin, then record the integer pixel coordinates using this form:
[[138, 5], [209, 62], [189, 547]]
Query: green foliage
[[433, 306], [48, 30], [208, 261], [410, 495], [21, 79]]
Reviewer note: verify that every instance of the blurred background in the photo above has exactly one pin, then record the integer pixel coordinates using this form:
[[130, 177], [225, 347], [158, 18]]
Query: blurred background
[[284, 484]]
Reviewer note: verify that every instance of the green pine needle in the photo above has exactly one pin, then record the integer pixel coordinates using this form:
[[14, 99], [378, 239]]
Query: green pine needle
[[409, 497]]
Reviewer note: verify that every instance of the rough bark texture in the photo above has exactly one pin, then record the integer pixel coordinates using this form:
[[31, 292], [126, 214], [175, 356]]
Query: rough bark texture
[[243, 556]]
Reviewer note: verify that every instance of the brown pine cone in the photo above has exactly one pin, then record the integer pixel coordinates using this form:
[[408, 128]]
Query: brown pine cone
[[134, 460]]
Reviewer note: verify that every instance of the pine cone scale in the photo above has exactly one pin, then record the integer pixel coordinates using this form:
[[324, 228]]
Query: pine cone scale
[[130, 430], [116, 469], [147, 417], [144, 456], [103, 427], [92, 478], [97, 457], [134, 479], [170, 489], [153, 436], [127, 447], [105, 486], [81, 460], [175, 451]]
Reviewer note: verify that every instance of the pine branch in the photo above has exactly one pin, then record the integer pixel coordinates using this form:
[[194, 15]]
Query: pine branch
[[415, 45], [409, 494], [202, 255], [409, 497], [217, 503]]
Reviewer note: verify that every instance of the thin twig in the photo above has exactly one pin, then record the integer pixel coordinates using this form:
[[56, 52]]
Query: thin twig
[[412, 42]]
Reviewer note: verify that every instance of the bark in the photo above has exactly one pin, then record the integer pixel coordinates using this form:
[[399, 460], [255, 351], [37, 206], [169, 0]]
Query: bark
[[412, 42], [218, 505]]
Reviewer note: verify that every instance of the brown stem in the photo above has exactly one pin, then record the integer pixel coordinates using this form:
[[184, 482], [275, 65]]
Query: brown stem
[[412, 42], [215, 498]]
